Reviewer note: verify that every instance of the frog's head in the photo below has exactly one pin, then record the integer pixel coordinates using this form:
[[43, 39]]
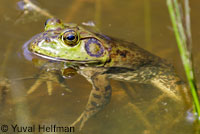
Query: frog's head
[[69, 43]]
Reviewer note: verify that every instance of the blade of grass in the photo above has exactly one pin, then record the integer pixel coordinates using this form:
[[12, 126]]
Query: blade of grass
[[183, 49], [187, 22]]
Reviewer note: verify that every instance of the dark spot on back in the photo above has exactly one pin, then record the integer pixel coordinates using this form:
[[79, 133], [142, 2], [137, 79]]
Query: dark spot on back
[[122, 53]]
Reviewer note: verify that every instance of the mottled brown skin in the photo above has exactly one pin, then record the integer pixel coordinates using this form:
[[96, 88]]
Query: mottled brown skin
[[131, 63], [126, 62]]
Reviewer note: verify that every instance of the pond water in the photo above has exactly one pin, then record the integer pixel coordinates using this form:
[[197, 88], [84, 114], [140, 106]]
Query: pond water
[[134, 108]]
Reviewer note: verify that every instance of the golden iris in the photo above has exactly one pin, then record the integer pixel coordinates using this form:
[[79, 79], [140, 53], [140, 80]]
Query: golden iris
[[70, 37]]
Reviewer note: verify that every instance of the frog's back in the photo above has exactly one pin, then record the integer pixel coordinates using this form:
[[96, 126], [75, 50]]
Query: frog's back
[[128, 55]]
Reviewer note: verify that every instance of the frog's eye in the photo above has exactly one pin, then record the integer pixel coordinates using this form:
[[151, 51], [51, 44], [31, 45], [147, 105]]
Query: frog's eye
[[94, 47], [70, 38]]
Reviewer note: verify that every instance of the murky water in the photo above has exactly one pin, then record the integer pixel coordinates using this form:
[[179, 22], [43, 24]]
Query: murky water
[[134, 108]]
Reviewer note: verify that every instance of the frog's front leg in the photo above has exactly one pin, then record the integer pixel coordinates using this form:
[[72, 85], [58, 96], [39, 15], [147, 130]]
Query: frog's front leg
[[99, 97]]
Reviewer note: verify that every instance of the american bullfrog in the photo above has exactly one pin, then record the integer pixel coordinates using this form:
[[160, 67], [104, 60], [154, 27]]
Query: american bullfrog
[[99, 58]]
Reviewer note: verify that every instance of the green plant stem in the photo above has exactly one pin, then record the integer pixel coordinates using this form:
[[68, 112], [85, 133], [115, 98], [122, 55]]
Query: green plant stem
[[185, 54], [179, 23]]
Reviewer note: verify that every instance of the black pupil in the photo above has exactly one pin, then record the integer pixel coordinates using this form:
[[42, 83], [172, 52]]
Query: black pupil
[[71, 37]]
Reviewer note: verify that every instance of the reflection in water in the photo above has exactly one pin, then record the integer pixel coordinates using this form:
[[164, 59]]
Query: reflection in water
[[134, 108]]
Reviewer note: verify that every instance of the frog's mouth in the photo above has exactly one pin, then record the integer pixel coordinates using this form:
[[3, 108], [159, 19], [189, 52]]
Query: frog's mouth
[[65, 60]]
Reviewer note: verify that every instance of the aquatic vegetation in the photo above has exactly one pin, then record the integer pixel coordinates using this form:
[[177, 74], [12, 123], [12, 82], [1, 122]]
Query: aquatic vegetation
[[184, 42]]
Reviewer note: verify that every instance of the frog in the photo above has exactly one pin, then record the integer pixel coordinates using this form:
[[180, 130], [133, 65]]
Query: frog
[[99, 58]]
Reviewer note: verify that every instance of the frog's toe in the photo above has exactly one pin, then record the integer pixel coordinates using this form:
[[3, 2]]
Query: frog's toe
[[49, 87], [34, 86], [82, 119], [65, 87]]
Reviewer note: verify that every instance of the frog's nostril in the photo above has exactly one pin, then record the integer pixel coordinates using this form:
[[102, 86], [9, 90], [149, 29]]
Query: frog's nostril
[[47, 39], [58, 21]]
